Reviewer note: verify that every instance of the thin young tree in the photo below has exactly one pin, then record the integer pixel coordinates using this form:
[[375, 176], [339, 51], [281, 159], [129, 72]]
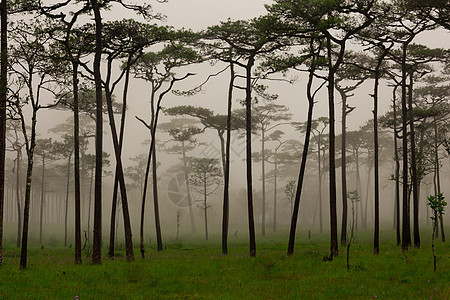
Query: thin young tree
[[206, 178], [158, 69]]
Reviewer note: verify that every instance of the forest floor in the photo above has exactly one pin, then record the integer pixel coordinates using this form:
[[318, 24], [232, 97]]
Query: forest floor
[[198, 270]]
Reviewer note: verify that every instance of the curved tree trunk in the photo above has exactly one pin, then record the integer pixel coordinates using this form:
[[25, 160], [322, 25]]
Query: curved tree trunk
[[112, 232], [301, 174]]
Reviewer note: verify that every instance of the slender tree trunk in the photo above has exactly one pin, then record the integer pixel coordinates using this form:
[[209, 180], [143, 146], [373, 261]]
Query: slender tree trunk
[[30, 156], [226, 199], [155, 199], [397, 172], [41, 210], [263, 174], [406, 234], [206, 207], [301, 174], [66, 208], [376, 235], [275, 191], [248, 129], [19, 214], [90, 205], [414, 178], [367, 194], [121, 178], [116, 179], [97, 244], [344, 169], [437, 173], [76, 135], [3, 99], [188, 189], [319, 145], [358, 188], [144, 196], [332, 158]]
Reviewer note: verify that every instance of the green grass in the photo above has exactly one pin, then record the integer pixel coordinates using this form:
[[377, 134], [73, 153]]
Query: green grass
[[197, 270]]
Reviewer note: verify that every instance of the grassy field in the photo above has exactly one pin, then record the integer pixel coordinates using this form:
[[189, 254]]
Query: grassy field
[[197, 270]]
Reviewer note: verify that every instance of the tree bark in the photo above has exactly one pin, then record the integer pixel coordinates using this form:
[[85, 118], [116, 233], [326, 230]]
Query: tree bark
[[97, 244], [397, 172], [301, 174], [414, 179], [406, 234], [332, 149], [263, 174], [76, 136], [41, 210], [248, 129], [344, 169], [3, 100], [155, 197], [116, 178], [66, 208], [226, 199]]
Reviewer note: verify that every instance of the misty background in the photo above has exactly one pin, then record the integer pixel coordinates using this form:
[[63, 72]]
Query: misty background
[[198, 15]]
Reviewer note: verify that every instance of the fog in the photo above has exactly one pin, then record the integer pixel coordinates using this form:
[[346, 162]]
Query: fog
[[197, 15]]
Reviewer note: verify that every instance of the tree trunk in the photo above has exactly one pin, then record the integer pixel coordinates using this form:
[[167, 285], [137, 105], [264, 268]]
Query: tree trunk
[[30, 156], [121, 178], [397, 173], [41, 210], [3, 100], [406, 234], [344, 169], [332, 154], [76, 135], [206, 207], [263, 172], [248, 130], [226, 204], [376, 235], [414, 179], [66, 209], [116, 178], [90, 205], [19, 215], [188, 189], [155, 199], [97, 244], [275, 191], [301, 174], [438, 178], [319, 145]]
